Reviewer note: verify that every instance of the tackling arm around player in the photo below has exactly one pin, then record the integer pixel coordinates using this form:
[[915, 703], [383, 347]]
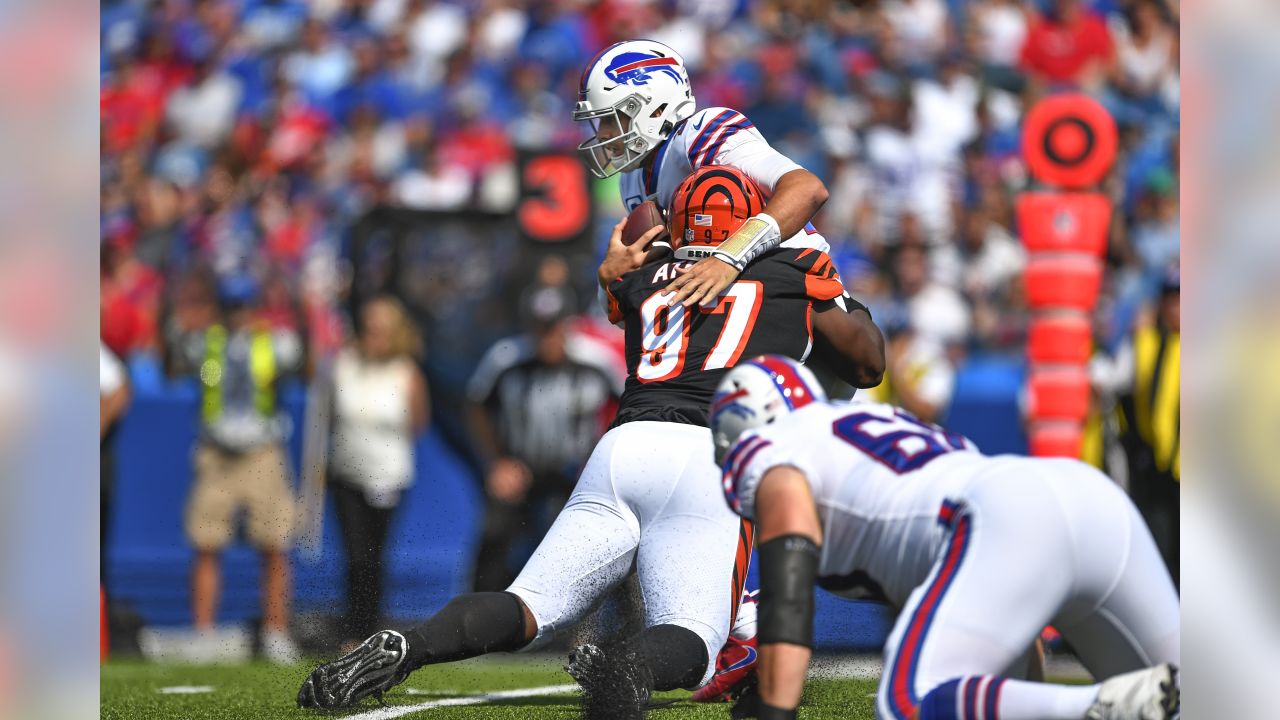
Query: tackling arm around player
[[846, 340], [797, 197], [645, 125]]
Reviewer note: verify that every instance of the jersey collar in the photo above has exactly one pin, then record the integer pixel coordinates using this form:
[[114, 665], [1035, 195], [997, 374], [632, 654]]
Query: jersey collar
[[651, 171]]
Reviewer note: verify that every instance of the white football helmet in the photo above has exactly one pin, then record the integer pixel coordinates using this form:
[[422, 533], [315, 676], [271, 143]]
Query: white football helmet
[[635, 92], [757, 392]]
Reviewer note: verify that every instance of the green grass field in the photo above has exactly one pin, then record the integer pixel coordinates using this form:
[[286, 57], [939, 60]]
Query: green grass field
[[144, 691]]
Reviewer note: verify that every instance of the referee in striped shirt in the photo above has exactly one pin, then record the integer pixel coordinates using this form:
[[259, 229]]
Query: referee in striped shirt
[[537, 405]]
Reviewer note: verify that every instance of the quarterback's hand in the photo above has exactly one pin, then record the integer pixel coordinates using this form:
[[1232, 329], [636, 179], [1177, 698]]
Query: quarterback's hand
[[508, 480], [702, 283], [621, 259]]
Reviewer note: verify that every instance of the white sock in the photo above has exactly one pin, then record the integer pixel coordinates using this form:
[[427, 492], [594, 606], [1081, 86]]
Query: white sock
[[1021, 700]]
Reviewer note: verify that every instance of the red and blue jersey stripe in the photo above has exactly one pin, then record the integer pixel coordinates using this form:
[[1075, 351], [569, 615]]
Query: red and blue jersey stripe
[[709, 154], [902, 692], [736, 464], [947, 513], [704, 135]]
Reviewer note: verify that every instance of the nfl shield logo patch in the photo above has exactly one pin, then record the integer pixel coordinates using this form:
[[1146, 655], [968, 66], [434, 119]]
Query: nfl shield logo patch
[[701, 219]]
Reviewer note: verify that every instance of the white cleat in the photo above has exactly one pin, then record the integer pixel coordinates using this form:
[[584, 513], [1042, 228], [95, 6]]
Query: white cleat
[[1150, 694]]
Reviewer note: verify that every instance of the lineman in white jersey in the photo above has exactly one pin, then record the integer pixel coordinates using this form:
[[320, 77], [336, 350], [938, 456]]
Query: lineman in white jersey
[[978, 552], [645, 125]]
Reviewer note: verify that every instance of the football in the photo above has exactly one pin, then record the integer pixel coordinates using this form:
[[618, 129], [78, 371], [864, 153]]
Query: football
[[641, 220]]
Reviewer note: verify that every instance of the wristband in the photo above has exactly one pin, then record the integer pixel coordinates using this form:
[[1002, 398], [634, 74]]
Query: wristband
[[759, 234]]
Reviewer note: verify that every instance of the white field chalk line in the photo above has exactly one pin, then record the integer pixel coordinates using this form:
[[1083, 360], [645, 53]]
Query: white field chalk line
[[387, 713], [185, 689]]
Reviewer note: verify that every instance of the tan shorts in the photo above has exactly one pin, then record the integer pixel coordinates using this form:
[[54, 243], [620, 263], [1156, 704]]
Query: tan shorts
[[224, 483]]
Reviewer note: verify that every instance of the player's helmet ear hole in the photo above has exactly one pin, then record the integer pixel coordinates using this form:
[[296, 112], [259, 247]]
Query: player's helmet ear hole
[[658, 112]]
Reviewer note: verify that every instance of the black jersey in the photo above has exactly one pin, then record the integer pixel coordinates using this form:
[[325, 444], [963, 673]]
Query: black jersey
[[676, 358]]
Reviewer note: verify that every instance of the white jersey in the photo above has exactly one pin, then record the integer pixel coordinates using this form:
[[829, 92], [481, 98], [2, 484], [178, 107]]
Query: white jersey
[[713, 136], [978, 554], [879, 477]]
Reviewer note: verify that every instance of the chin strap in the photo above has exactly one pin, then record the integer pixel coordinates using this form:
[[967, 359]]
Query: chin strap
[[759, 234]]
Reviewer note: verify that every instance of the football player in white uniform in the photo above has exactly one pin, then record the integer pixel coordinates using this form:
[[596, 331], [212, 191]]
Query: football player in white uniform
[[979, 553], [646, 125]]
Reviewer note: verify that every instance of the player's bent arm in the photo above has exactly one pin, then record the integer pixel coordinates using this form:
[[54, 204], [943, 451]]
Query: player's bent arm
[[797, 197], [789, 537], [849, 344]]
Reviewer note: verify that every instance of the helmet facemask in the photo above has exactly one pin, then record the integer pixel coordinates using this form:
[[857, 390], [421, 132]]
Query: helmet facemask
[[616, 144]]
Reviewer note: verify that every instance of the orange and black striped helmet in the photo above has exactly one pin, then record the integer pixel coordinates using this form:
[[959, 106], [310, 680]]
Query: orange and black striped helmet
[[708, 206]]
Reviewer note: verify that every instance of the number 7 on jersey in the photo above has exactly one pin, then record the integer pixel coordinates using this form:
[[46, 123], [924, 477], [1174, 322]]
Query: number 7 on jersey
[[666, 331]]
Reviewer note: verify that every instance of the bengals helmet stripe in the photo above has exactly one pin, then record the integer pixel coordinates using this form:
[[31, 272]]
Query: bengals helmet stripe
[[709, 206]]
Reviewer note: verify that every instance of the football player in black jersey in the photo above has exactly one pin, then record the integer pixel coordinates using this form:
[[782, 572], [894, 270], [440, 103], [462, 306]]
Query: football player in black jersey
[[677, 355], [649, 498], [790, 299]]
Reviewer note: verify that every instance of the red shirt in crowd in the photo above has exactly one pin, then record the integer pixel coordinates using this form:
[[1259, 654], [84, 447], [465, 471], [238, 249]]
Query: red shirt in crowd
[[1057, 50]]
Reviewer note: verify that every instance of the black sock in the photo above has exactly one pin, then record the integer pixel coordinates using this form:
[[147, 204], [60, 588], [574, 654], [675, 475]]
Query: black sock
[[470, 625], [675, 656]]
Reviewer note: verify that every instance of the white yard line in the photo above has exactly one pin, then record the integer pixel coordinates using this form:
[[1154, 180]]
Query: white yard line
[[387, 713], [185, 689]]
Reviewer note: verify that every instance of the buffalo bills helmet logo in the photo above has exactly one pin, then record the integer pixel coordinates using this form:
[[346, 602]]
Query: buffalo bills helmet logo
[[636, 68], [728, 403]]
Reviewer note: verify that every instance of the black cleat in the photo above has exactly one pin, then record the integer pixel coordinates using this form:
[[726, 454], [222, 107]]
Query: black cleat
[[371, 669], [614, 684]]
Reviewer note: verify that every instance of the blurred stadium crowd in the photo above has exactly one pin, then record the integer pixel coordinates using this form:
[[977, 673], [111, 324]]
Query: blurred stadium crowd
[[242, 140], [245, 136]]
